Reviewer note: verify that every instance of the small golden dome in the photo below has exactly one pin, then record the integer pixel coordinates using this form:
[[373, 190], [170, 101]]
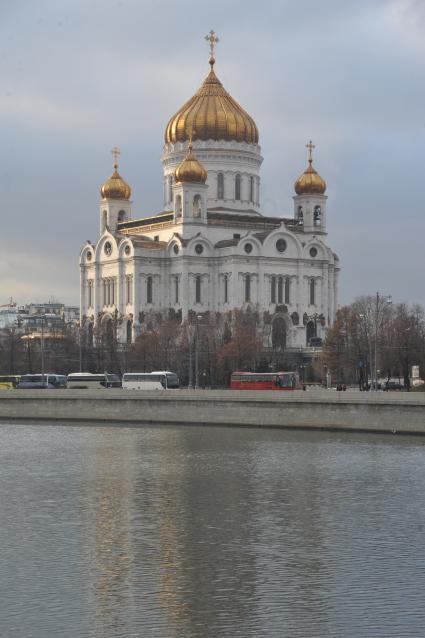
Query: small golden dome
[[212, 114], [115, 186], [310, 181], [190, 170]]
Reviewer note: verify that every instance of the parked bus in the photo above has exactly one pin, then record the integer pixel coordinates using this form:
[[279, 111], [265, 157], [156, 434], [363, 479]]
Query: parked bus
[[265, 381], [87, 380], [162, 380], [40, 381], [9, 381]]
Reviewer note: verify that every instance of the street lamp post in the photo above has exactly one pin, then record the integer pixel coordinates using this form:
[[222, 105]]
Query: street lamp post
[[198, 317], [42, 349], [377, 308]]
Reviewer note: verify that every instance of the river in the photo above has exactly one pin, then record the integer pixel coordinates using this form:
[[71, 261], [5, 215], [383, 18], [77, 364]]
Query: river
[[186, 532]]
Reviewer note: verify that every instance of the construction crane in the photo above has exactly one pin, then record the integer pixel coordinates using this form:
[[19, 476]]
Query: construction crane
[[11, 304]]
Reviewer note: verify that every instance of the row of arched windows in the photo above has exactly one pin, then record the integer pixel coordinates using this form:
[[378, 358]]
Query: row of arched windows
[[108, 285], [196, 206], [237, 194], [280, 290], [317, 215], [252, 194]]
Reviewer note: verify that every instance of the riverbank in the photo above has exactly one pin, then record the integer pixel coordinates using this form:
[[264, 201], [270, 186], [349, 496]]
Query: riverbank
[[326, 410]]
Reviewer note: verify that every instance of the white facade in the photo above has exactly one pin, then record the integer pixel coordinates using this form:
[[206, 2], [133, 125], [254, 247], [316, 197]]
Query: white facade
[[212, 250]]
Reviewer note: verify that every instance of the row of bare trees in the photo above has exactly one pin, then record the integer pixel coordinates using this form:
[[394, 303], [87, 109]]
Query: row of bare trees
[[375, 339], [201, 351]]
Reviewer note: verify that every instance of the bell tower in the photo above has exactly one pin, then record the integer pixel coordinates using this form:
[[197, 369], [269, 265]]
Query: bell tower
[[115, 205], [310, 198]]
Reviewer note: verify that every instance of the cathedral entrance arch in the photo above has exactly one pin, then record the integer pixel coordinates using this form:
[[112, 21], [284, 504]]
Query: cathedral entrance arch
[[279, 334], [310, 331]]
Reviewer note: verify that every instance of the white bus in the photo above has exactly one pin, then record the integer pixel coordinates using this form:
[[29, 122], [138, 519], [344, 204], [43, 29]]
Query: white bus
[[161, 380], [87, 380]]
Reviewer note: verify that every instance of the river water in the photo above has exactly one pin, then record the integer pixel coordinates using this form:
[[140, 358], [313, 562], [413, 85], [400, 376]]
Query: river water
[[182, 532]]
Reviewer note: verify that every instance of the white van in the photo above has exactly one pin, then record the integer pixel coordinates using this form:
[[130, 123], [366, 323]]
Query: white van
[[161, 380]]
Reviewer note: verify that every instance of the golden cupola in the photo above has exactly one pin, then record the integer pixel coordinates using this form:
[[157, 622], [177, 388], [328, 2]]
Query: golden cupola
[[212, 113], [310, 182], [190, 170], [115, 186]]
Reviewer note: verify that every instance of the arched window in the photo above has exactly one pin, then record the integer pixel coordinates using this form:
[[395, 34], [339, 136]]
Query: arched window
[[247, 288], [280, 290], [273, 290], [198, 283], [310, 331], [149, 290], [108, 292], [121, 216], [104, 219], [129, 335], [300, 215], [226, 288], [90, 292], [251, 189], [128, 288], [287, 290], [176, 290], [279, 334], [112, 291], [178, 206], [220, 186], [197, 207], [238, 187], [312, 286], [317, 215]]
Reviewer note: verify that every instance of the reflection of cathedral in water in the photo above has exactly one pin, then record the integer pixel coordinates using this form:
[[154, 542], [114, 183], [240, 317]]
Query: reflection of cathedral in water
[[212, 248]]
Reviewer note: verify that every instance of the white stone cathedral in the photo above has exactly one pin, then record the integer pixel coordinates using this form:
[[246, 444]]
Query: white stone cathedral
[[212, 249]]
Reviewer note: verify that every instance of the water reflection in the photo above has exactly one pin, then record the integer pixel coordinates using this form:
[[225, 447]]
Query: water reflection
[[186, 532]]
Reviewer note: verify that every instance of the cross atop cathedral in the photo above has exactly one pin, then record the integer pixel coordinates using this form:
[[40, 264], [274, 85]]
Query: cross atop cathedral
[[115, 154], [310, 147], [212, 39]]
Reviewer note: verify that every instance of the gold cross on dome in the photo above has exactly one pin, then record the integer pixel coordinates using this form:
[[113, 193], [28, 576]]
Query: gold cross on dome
[[310, 147], [115, 154], [212, 39]]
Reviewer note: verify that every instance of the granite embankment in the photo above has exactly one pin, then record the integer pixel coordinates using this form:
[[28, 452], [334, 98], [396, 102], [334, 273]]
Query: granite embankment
[[380, 412]]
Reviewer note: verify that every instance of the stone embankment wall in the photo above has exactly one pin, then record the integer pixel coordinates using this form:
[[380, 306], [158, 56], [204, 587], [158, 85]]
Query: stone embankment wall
[[380, 412]]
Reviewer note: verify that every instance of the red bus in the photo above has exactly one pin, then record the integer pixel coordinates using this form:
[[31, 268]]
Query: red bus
[[265, 381]]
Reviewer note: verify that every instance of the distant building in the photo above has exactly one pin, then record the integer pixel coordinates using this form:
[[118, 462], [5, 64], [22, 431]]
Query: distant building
[[212, 249]]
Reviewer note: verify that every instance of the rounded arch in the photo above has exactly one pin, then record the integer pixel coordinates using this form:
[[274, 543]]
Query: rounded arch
[[220, 186], [291, 245], [106, 237], [178, 208], [253, 242], [125, 248], [197, 206], [200, 239], [129, 331], [279, 333], [310, 331]]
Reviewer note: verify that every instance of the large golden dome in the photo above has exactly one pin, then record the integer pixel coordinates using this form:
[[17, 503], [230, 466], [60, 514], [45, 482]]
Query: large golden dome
[[211, 114], [191, 170], [310, 181], [115, 186]]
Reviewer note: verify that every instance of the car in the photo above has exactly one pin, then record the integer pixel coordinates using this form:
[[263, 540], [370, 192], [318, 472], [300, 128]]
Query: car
[[393, 385]]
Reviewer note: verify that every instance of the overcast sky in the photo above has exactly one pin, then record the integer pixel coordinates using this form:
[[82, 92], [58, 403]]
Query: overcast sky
[[78, 77]]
